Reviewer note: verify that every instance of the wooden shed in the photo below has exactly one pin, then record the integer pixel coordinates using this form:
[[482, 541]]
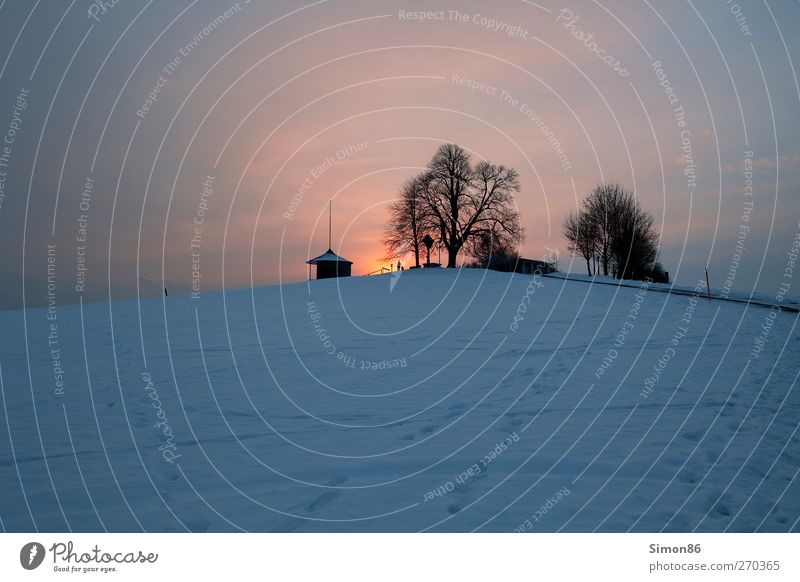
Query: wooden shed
[[533, 266], [331, 265]]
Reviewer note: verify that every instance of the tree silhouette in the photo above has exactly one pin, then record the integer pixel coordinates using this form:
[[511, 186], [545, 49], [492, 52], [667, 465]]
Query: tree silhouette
[[613, 230], [464, 206], [581, 235], [467, 204], [407, 224]]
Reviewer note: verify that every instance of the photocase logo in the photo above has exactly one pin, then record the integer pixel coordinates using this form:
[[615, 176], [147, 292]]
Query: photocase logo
[[31, 555]]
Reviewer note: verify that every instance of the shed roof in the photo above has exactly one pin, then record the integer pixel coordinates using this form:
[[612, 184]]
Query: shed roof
[[328, 256]]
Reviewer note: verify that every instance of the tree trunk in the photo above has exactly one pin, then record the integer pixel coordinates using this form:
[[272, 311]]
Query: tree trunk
[[452, 253], [416, 254], [588, 266]]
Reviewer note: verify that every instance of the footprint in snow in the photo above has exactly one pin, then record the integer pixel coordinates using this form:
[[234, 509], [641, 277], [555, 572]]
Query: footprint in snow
[[325, 498], [692, 435], [688, 476], [197, 524], [321, 501], [722, 509]]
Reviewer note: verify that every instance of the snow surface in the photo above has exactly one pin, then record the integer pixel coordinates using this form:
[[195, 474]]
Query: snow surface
[[442, 413]]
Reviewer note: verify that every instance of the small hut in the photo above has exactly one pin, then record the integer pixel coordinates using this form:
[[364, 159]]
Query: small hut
[[533, 266], [331, 265]]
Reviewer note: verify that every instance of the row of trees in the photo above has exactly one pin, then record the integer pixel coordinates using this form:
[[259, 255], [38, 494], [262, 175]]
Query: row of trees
[[613, 233], [471, 208], [467, 208]]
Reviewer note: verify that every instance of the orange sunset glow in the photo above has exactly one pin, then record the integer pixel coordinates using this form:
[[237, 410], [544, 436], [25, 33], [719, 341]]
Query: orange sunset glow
[[285, 108]]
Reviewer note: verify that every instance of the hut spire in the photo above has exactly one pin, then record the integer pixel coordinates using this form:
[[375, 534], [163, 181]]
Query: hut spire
[[329, 264]]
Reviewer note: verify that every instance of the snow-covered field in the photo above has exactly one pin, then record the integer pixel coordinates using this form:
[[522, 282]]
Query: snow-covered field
[[442, 400]]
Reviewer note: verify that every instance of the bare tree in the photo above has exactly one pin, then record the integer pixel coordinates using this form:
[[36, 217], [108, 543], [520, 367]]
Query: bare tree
[[614, 231], [494, 253], [407, 220], [581, 235], [467, 204], [602, 206], [635, 240]]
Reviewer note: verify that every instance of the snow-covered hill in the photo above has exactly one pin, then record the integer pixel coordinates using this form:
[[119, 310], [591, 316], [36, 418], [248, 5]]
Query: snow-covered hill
[[442, 400]]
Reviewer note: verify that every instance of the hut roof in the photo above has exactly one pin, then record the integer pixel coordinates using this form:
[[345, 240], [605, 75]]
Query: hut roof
[[328, 256]]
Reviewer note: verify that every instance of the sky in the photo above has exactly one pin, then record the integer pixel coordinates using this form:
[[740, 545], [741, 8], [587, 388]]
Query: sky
[[195, 145]]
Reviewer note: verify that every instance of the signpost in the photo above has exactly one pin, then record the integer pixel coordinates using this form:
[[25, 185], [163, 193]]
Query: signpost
[[428, 242]]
